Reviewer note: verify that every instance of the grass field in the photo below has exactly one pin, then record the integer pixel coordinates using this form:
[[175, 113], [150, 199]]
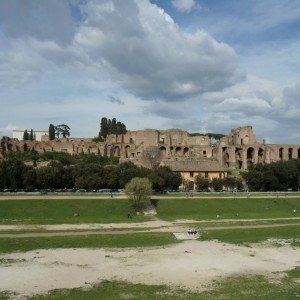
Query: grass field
[[247, 287], [62, 211], [245, 236], [93, 241], [115, 211], [208, 209]]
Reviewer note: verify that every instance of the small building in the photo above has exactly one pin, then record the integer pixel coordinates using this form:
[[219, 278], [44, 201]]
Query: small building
[[39, 135], [189, 170]]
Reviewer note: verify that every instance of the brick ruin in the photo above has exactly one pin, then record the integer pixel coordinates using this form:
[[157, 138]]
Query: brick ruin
[[175, 148]]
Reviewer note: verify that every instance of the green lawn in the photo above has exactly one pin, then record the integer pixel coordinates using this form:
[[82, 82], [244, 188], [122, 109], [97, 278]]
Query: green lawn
[[89, 241], [241, 236], [114, 210], [62, 211], [208, 209], [246, 287]]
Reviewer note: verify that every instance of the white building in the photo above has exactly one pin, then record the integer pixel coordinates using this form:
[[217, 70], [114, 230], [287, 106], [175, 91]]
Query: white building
[[18, 134]]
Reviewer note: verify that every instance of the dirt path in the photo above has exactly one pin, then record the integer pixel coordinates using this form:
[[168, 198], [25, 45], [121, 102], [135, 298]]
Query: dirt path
[[173, 228], [143, 225]]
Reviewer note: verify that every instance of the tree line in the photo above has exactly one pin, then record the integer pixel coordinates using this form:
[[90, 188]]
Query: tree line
[[111, 126], [29, 136], [90, 172], [218, 184], [277, 176]]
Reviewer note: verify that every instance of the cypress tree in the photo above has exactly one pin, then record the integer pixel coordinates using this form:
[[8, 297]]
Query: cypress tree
[[109, 126], [114, 126], [25, 135], [103, 128], [31, 135], [51, 132]]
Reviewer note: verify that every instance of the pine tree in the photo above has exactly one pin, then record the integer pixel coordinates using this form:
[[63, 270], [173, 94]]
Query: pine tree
[[25, 135], [51, 132]]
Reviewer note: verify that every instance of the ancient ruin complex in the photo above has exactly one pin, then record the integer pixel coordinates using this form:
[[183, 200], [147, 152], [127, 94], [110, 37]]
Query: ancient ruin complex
[[182, 152]]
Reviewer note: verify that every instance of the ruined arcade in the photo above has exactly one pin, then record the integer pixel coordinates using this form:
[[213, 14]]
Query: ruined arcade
[[186, 153]]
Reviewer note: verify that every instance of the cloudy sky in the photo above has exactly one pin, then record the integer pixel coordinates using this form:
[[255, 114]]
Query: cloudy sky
[[200, 65]]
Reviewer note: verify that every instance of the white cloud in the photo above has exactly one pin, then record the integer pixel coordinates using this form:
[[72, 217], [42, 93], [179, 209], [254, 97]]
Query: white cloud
[[184, 5], [150, 56], [127, 52]]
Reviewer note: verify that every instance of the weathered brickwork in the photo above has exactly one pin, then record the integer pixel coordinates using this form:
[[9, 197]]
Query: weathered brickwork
[[175, 148]]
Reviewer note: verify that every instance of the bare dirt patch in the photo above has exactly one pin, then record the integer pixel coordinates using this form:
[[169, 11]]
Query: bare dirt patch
[[192, 265]]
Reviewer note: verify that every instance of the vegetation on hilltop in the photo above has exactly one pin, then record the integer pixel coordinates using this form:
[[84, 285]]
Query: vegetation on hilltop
[[84, 171], [216, 136]]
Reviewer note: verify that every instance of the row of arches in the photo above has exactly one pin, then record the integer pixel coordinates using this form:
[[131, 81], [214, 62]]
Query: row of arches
[[288, 153], [174, 151], [244, 158]]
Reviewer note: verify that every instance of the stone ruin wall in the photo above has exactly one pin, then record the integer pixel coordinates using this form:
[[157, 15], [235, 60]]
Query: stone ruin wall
[[239, 149]]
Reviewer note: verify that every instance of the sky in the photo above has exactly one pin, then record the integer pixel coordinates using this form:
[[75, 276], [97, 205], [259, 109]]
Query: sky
[[198, 65]]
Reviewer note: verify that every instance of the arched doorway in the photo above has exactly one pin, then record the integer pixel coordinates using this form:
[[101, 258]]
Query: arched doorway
[[261, 153], [185, 151], [163, 151], [281, 153], [177, 150], [290, 153], [250, 157], [117, 151]]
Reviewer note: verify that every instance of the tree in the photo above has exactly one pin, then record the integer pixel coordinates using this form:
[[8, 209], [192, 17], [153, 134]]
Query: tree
[[151, 156], [157, 181], [31, 136], [51, 132], [172, 180], [29, 179], [138, 190], [113, 126], [63, 130], [79, 183], [104, 130], [202, 183], [217, 184], [229, 183], [109, 126], [25, 135]]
